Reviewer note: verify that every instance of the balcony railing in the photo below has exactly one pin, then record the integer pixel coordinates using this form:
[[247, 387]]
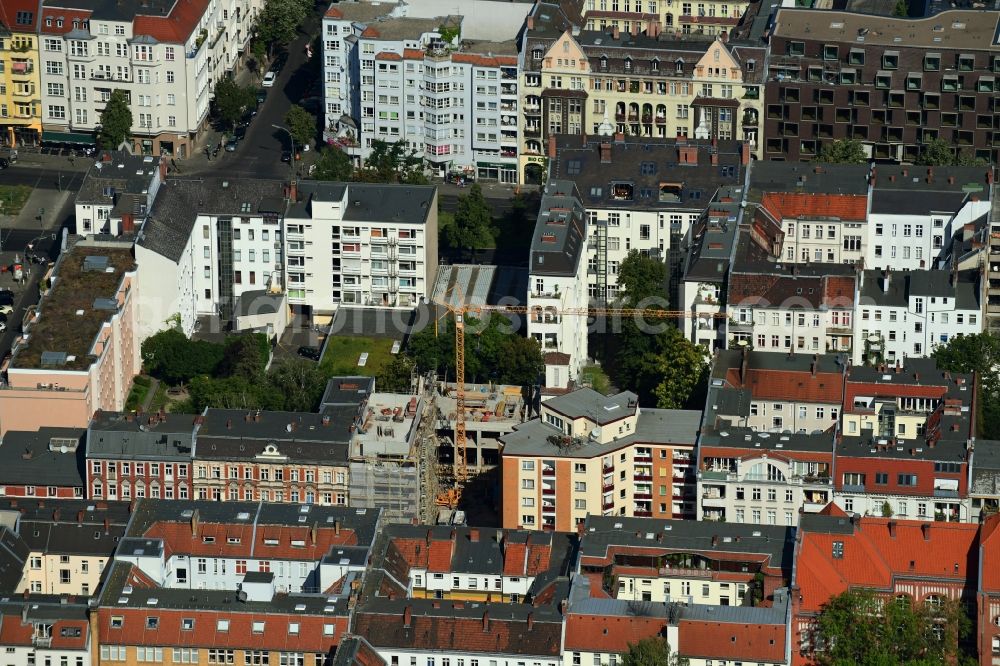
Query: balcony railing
[[608, 468], [548, 491], [548, 471], [642, 477], [607, 504], [643, 513]]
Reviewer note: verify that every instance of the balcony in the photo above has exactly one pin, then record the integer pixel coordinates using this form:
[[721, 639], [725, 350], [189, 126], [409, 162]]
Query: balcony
[[21, 67], [548, 508], [620, 117], [853, 488], [41, 641], [740, 326], [548, 492], [645, 495], [642, 477], [608, 468], [607, 504], [661, 120], [607, 487], [643, 458], [548, 471], [642, 513]]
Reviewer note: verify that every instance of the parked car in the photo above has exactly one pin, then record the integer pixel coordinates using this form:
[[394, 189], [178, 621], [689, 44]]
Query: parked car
[[261, 96], [310, 352], [4, 163], [231, 144], [286, 156], [6, 309], [6, 298], [240, 132], [269, 79]]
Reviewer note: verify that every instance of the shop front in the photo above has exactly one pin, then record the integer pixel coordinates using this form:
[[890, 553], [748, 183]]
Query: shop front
[[497, 171]]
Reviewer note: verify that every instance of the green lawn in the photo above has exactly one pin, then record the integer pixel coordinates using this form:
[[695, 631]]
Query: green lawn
[[342, 353], [13, 198]]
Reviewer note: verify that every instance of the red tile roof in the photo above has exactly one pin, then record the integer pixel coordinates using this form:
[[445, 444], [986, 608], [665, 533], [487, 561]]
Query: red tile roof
[[439, 555], [874, 558], [67, 16], [333, 12], [413, 54], [178, 538], [609, 633], [8, 15], [370, 31], [14, 632], [824, 387], [838, 292], [177, 27], [990, 552], [388, 55], [480, 60], [801, 205], [727, 640]]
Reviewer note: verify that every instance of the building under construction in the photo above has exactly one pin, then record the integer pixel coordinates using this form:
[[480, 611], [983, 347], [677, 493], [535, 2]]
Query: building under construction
[[491, 411]]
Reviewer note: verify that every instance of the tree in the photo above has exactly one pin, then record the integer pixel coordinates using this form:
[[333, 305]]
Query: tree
[[391, 163], [232, 100], [333, 164], [901, 9], [843, 151], [979, 353], [396, 375], [301, 125], [682, 367], [857, 627], [641, 278], [171, 357], [245, 356], [939, 152], [299, 382], [473, 222], [886, 510], [280, 19], [651, 652], [116, 121]]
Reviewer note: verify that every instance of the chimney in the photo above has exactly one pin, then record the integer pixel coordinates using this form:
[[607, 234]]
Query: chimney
[[336, 527], [407, 616], [951, 180], [653, 29], [687, 154], [715, 158], [930, 175], [246, 417], [531, 621], [715, 541], [925, 530], [293, 190], [107, 526], [194, 523], [815, 362], [312, 534], [486, 614], [745, 153], [79, 516], [256, 416], [635, 29], [55, 515], [429, 535], [163, 168], [744, 362], [989, 177], [605, 152], [552, 146], [892, 529], [530, 22], [474, 534], [615, 34], [229, 424], [885, 281], [128, 223]]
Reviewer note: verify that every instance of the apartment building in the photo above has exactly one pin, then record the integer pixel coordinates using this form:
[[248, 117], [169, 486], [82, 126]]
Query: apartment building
[[916, 212], [820, 228], [20, 87], [491, 411], [641, 194], [648, 84], [117, 193], [53, 631], [465, 595], [79, 349], [901, 559], [908, 314], [274, 456], [791, 310], [984, 479], [360, 244], [557, 282], [397, 78], [906, 442], [42, 463], [987, 593], [165, 55], [132, 455], [708, 18], [68, 543], [891, 83], [588, 453]]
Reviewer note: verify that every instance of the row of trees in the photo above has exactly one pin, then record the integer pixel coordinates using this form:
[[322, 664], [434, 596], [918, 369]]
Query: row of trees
[[387, 163], [937, 152]]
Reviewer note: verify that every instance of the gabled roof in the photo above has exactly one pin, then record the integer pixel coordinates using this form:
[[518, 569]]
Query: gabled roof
[[807, 206]]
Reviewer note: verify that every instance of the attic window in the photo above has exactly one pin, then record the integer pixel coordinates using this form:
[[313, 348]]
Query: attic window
[[548, 238], [647, 168], [838, 550], [622, 191], [245, 207], [573, 167], [671, 192], [152, 622], [24, 18], [187, 623]]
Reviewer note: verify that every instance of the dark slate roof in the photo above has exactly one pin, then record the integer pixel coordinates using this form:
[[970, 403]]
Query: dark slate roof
[[644, 164], [602, 532], [944, 450], [904, 202], [71, 537], [557, 244], [356, 651], [236, 434], [116, 173], [927, 283], [179, 201], [590, 404], [369, 202], [747, 438], [13, 554], [26, 457], [986, 468], [916, 371], [350, 391], [141, 436], [767, 176], [258, 302], [714, 238]]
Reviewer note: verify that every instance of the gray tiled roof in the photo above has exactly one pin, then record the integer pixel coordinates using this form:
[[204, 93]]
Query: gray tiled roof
[[369, 202], [25, 455], [557, 244], [116, 435], [986, 468], [116, 173], [769, 176], [600, 408], [179, 201]]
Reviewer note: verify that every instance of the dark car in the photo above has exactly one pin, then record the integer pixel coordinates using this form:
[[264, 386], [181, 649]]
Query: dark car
[[4, 163], [231, 145], [6, 299], [286, 156], [240, 132], [310, 352], [261, 95]]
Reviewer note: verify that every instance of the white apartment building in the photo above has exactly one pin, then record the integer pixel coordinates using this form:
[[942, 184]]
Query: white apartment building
[[393, 78], [915, 212], [164, 55], [790, 312], [45, 631], [360, 244], [117, 193], [557, 282], [819, 228], [906, 314]]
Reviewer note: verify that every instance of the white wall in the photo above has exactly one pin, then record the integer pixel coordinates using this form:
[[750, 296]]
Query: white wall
[[167, 289], [483, 19]]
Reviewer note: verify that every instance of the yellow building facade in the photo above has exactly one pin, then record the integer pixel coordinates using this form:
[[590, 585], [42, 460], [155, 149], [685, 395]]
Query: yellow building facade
[[20, 84], [687, 17]]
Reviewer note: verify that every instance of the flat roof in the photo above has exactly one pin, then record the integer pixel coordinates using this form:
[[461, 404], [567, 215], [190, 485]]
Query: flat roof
[[747, 438], [958, 29], [38, 457], [62, 335]]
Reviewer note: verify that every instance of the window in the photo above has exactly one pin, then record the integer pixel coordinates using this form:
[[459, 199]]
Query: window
[[907, 479]]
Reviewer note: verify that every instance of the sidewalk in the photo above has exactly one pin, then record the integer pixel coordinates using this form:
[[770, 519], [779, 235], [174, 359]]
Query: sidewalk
[[29, 158], [51, 200]]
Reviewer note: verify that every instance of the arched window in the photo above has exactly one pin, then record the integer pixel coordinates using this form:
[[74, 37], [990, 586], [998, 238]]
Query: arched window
[[766, 471]]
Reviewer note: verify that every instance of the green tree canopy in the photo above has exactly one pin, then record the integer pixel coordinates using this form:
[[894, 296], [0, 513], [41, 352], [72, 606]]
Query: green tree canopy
[[171, 357], [683, 369], [392, 163], [472, 227], [395, 376], [843, 151], [301, 124], [979, 353], [280, 20], [232, 100], [901, 9], [939, 152], [333, 164], [299, 382], [856, 627], [116, 121], [651, 652]]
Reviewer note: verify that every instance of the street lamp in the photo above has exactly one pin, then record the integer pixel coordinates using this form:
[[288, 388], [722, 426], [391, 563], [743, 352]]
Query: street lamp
[[291, 154]]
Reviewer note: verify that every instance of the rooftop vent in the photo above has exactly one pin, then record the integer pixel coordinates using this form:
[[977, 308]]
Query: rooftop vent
[[95, 263], [105, 304], [52, 359]]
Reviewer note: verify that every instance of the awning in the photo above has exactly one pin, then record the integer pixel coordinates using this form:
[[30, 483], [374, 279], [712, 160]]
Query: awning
[[68, 137]]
